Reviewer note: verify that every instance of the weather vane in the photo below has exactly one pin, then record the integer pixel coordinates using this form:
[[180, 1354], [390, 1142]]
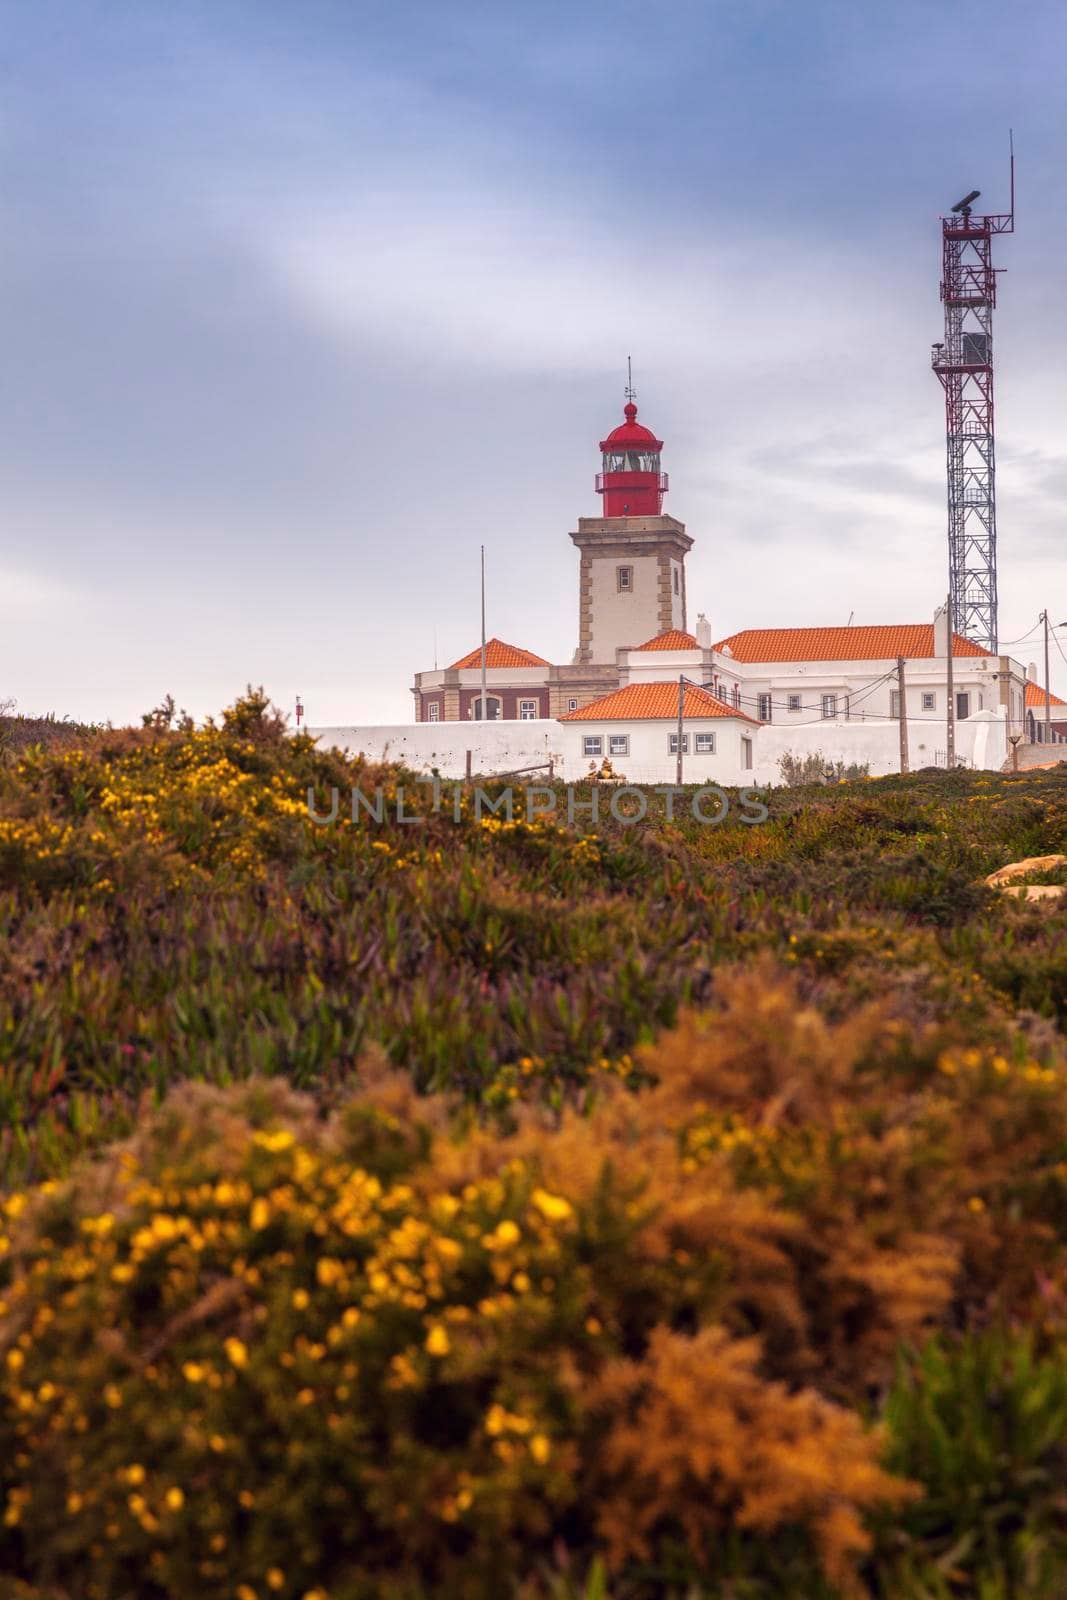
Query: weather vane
[[630, 394]]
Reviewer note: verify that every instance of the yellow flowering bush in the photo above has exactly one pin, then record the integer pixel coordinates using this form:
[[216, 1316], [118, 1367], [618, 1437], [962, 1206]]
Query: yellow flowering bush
[[252, 1347]]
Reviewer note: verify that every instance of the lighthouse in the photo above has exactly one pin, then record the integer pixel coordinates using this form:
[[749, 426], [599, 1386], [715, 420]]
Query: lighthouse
[[631, 481], [631, 582]]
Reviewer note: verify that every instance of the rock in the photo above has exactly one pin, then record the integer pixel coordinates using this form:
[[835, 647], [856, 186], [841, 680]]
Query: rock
[[1023, 869]]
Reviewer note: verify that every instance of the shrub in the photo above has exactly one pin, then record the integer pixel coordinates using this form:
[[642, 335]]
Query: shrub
[[253, 1347]]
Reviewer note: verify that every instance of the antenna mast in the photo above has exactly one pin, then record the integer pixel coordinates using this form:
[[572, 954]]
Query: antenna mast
[[964, 364], [631, 393]]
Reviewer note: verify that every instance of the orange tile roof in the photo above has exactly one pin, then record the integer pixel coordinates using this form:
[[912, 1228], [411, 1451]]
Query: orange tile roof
[[1035, 696], [672, 639], [647, 702], [883, 642], [498, 654]]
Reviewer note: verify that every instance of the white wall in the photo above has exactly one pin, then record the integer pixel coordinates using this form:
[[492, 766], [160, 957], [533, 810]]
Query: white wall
[[650, 759], [494, 746], [981, 741], [499, 747]]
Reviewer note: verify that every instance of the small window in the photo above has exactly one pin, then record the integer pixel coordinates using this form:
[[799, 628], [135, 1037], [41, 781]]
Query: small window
[[527, 710], [572, 705], [929, 702], [705, 744], [592, 744], [674, 744], [763, 704], [618, 744], [793, 702], [433, 712], [746, 754], [677, 586], [625, 579], [737, 696], [963, 706], [894, 703], [829, 705]]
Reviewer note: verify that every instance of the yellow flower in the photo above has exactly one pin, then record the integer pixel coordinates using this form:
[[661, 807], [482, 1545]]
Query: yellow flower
[[552, 1206], [280, 1139], [246, 1592], [301, 1298], [174, 1499], [15, 1360], [236, 1351], [540, 1448], [134, 1474], [259, 1216], [437, 1341], [193, 1372], [74, 1503]]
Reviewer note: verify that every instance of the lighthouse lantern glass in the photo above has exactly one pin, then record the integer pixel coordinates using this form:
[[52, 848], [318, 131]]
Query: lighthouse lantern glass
[[631, 461]]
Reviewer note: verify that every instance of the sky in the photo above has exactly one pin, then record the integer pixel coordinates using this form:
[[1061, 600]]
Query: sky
[[302, 303]]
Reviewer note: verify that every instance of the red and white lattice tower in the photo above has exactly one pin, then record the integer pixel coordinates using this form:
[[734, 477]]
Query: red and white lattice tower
[[964, 364]]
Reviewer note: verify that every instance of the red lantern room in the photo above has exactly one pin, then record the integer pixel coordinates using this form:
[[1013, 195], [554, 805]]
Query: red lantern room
[[631, 482]]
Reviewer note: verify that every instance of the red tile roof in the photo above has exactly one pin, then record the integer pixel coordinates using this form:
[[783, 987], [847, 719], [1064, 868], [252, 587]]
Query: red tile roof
[[499, 654], [648, 702], [672, 639], [880, 643], [1035, 696]]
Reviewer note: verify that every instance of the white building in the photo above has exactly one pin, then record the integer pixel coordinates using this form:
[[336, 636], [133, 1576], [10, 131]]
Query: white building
[[752, 696]]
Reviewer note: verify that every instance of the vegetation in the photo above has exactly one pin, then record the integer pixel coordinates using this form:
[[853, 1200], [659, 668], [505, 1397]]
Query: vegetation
[[797, 771], [472, 1209]]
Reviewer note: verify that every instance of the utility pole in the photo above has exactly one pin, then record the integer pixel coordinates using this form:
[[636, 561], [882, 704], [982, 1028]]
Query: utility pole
[[1048, 686], [485, 707], [950, 727], [903, 716], [681, 717]]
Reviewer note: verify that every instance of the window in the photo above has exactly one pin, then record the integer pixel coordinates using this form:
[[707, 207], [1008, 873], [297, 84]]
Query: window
[[894, 703], [929, 702], [493, 708], [829, 705], [592, 744], [674, 744], [737, 696], [705, 744], [618, 744], [631, 461], [676, 585], [763, 707], [793, 702], [433, 712], [963, 706], [625, 578], [746, 754], [527, 710], [572, 705]]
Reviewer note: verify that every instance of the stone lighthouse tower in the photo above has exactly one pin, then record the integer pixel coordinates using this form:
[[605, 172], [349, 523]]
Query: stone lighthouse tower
[[632, 575]]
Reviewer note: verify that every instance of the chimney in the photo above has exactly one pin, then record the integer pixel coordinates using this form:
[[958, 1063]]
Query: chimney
[[703, 631], [941, 631], [1031, 672]]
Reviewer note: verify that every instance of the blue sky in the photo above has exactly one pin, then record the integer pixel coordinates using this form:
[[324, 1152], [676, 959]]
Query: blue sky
[[301, 303]]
